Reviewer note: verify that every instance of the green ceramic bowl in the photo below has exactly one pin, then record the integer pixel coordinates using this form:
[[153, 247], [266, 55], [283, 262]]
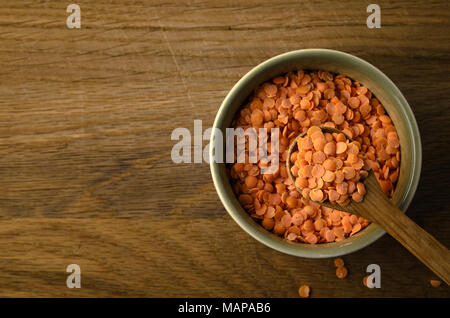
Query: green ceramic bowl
[[359, 70]]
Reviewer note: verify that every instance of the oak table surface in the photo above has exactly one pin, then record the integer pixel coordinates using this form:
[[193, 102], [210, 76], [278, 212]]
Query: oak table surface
[[86, 117]]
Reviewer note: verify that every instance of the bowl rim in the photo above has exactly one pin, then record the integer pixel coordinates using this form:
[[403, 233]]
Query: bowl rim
[[258, 232]]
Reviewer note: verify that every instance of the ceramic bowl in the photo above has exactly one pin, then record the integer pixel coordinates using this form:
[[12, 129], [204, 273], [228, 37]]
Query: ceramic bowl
[[359, 70]]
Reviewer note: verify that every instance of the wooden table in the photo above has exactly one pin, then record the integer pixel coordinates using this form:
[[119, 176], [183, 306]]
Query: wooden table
[[85, 122]]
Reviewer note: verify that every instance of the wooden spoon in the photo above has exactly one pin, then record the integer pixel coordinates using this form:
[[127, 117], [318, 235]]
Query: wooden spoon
[[379, 209]]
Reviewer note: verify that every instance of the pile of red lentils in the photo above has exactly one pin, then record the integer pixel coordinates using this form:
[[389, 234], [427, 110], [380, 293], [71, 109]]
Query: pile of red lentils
[[329, 167], [294, 103]]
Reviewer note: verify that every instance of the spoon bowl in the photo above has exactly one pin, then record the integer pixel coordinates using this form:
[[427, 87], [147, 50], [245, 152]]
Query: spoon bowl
[[292, 148]]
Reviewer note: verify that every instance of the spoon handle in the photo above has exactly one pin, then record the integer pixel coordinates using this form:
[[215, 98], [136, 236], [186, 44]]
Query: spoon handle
[[419, 242]]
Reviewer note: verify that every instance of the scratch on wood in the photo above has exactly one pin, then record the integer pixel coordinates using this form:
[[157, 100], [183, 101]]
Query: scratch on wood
[[172, 53]]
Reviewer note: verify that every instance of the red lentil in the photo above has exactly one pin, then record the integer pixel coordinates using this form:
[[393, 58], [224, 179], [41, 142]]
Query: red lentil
[[295, 102], [338, 262], [341, 272], [435, 283], [304, 291]]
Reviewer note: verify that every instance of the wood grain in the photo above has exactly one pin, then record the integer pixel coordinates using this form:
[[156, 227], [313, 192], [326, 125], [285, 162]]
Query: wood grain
[[85, 122]]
